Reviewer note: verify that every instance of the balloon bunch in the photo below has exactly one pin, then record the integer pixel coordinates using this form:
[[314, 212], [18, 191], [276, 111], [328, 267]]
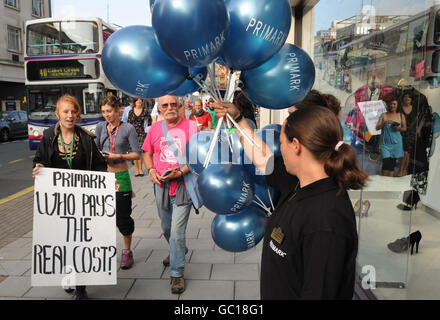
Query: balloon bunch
[[176, 55]]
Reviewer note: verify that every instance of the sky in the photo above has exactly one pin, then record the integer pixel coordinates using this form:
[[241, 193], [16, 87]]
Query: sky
[[121, 12], [131, 12]]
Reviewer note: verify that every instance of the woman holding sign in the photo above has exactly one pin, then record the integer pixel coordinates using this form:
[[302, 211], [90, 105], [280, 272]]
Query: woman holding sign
[[310, 242], [114, 138], [68, 146]]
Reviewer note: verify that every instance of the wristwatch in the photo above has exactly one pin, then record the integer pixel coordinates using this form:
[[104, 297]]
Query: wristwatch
[[148, 170]]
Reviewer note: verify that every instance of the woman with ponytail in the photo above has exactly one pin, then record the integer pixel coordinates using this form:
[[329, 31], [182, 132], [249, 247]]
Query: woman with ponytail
[[310, 243]]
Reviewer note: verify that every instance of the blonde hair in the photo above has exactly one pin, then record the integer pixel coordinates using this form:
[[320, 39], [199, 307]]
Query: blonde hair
[[69, 99]]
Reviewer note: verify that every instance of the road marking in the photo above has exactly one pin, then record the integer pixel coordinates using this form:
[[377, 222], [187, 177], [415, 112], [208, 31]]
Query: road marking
[[15, 161], [16, 195], [31, 157]]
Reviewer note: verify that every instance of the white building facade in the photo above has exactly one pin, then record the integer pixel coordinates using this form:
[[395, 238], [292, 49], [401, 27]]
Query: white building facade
[[13, 15]]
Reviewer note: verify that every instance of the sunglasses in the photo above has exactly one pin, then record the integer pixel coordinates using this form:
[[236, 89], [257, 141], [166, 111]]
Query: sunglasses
[[172, 104]]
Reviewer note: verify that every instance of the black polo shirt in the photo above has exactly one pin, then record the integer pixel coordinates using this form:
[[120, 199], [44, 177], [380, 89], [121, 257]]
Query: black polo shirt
[[310, 243]]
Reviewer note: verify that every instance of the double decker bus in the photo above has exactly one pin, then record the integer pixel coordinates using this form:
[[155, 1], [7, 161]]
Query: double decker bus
[[64, 57]]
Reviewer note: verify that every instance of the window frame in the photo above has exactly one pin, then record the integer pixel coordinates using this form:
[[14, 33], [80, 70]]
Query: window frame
[[41, 8], [20, 45], [17, 7]]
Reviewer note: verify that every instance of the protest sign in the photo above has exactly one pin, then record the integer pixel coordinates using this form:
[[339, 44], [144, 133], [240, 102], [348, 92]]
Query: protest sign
[[74, 232], [371, 110]]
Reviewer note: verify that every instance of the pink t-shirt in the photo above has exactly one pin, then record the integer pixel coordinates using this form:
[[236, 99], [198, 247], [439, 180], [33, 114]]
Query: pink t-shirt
[[156, 144]]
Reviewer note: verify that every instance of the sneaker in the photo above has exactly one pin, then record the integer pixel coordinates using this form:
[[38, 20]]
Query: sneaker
[[177, 285], [127, 259], [166, 261]]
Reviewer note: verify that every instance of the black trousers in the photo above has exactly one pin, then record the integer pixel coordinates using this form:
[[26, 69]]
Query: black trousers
[[124, 221]]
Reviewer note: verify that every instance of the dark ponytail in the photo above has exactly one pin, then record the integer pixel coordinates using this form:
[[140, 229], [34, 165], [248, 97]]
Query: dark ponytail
[[319, 130], [343, 166]]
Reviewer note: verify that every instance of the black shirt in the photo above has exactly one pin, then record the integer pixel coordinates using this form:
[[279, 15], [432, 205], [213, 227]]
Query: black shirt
[[310, 243]]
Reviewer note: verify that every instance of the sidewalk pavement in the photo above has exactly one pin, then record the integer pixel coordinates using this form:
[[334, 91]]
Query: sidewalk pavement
[[210, 272]]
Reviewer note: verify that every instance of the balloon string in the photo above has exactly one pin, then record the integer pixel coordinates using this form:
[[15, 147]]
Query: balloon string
[[213, 143], [270, 198], [211, 70], [228, 136], [202, 84], [245, 135], [227, 93], [261, 202], [263, 207], [230, 91]]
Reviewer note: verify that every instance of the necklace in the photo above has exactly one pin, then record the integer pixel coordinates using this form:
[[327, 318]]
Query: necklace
[[69, 157], [294, 191]]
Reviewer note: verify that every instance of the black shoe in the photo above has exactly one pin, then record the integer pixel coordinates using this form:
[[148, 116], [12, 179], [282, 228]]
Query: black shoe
[[69, 290], [414, 238], [81, 293], [404, 207]]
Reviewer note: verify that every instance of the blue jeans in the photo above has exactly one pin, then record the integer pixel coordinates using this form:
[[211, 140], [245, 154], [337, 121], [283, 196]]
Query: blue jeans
[[173, 222]]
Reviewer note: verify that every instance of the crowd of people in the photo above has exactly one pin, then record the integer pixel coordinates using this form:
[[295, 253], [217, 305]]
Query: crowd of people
[[310, 243]]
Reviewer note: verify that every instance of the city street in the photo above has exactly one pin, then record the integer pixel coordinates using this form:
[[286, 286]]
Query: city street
[[15, 167]]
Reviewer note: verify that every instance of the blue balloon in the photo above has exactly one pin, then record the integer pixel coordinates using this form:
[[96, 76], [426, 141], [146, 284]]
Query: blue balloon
[[225, 188], [189, 85], [272, 139], [240, 231], [273, 126], [151, 5], [193, 32], [262, 193], [197, 148], [282, 81], [134, 63], [219, 60], [257, 30], [256, 175]]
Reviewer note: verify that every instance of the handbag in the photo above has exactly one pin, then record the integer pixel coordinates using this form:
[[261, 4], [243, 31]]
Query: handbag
[[190, 178]]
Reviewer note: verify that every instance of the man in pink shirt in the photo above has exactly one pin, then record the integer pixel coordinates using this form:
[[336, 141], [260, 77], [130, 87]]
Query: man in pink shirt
[[167, 177]]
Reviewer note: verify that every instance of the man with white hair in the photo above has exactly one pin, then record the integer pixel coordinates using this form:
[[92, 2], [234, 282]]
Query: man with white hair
[[172, 200]]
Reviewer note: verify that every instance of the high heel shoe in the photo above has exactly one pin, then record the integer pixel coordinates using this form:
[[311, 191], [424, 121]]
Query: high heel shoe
[[410, 200], [357, 208], [367, 206], [414, 238]]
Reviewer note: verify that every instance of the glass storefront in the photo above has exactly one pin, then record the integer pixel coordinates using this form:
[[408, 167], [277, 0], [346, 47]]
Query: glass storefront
[[381, 60]]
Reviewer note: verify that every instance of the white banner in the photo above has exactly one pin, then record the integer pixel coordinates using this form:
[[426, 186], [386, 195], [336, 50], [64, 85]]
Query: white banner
[[74, 233], [371, 110]]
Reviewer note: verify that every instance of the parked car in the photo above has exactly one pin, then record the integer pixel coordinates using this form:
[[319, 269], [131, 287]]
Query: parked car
[[13, 124]]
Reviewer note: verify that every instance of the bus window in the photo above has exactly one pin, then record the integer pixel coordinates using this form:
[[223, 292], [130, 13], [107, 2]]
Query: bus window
[[43, 39], [79, 37], [437, 28], [436, 62], [42, 103], [88, 96]]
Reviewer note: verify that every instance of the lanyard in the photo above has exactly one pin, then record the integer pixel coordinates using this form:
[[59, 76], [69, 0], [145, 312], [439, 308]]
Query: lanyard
[[113, 142], [70, 157]]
